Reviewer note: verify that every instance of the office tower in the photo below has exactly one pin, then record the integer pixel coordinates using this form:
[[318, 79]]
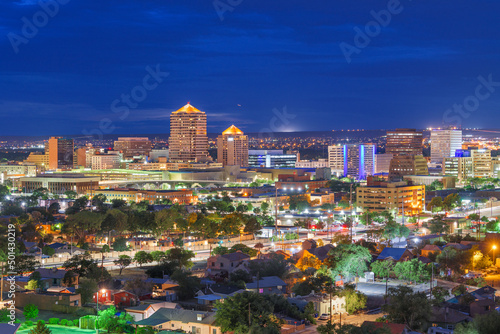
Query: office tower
[[444, 143], [271, 158], [60, 151], [336, 160], [407, 165], [188, 140], [467, 164], [383, 162], [232, 148], [106, 161], [133, 146], [404, 142], [353, 160]]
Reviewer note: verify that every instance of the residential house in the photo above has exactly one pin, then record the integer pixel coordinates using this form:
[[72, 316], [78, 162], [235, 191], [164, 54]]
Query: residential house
[[395, 254], [227, 263], [267, 285], [483, 302], [47, 300], [61, 249], [185, 320], [56, 276], [144, 311], [446, 318], [164, 287], [119, 298], [322, 303], [208, 299], [429, 249]]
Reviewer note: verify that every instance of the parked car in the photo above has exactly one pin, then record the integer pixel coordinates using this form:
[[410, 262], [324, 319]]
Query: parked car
[[473, 275], [324, 316]]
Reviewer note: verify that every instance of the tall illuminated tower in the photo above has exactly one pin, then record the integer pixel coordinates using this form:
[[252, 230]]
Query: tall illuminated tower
[[188, 140], [232, 148]]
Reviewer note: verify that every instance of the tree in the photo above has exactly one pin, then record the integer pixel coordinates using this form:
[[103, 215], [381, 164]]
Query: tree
[[180, 257], [87, 288], [142, 257], [139, 287], [25, 263], [109, 320], [488, 323], [264, 207], [436, 204], [40, 328], [354, 300], [238, 313], [453, 259], [120, 245], [276, 265], [347, 260], [407, 307], [451, 201], [33, 284], [30, 311], [240, 275], [382, 268], [188, 284], [412, 270], [252, 226], [123, 261], [83, 223], [48, 251], [118, 203], [439, 293], [70, 194], [158, 256]]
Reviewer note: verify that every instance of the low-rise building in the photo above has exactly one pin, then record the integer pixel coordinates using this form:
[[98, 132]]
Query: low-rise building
[[227, 263], [380, 196], [60, 183], [144, 311], [267, 285], [186, 320], [139, 195], [323, 304]]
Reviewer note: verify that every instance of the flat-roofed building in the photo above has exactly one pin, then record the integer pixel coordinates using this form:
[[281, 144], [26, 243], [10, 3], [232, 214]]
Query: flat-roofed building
[[379, 196], [402, 165], [152, 196], [404, 142], [133, 146], [383, 162], [60, 183], [106, 161], [61, 153], [24, 169], [271, 158], [444, 144], [41, 160]]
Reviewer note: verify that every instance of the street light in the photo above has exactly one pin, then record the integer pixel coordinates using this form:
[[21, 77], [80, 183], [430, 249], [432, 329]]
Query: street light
[[97, 312], [494, 260]]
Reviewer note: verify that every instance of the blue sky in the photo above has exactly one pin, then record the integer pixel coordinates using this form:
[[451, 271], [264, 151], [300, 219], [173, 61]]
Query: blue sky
[[262, 56]]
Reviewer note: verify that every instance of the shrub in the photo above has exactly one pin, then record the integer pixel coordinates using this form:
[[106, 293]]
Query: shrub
[[53, 321], [28, 323], [42, 321], [76, 322], [63, 322]]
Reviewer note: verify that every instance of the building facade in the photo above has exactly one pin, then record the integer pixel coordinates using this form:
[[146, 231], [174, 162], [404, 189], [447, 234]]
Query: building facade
[[381, 196], [105, 161], [271, 159], [476, 163], [383, 162], [133, 146], [60, 183], [352, 160], [152, 196], [188, 140], [402, 165], [61, 152], [404, 142], [232, 148], [444, 144]]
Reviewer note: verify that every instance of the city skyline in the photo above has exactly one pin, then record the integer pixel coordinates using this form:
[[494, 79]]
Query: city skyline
[[245, 65]]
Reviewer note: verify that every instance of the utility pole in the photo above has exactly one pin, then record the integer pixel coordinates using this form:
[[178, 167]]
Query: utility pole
[[248, 315], [276, 209]]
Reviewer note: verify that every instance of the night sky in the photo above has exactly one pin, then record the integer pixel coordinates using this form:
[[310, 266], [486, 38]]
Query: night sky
[[245, 63]]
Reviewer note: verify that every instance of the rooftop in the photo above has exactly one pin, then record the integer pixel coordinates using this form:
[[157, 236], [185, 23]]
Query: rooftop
[[188, 108]]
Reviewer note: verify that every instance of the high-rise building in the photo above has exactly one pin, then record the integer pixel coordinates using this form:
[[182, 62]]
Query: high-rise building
[[407, 165], [60, 151], [383, 162], [467, 164], [353, 160], [133, 146], [232, 148], [404, 142], [188, 140], [106, 161], [444, 144]]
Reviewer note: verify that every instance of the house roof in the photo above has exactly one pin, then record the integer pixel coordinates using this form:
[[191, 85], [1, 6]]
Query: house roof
[[424, 259], [321, 252], [157, 280], [209, 297], [447, 315], [266, 282], [457, 246], [60, 289], [185, 316], [52, 272], [236, 256], [395, 253], [433, 248], [56, 245], [394, 328], [223, 289], [485, 290]]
